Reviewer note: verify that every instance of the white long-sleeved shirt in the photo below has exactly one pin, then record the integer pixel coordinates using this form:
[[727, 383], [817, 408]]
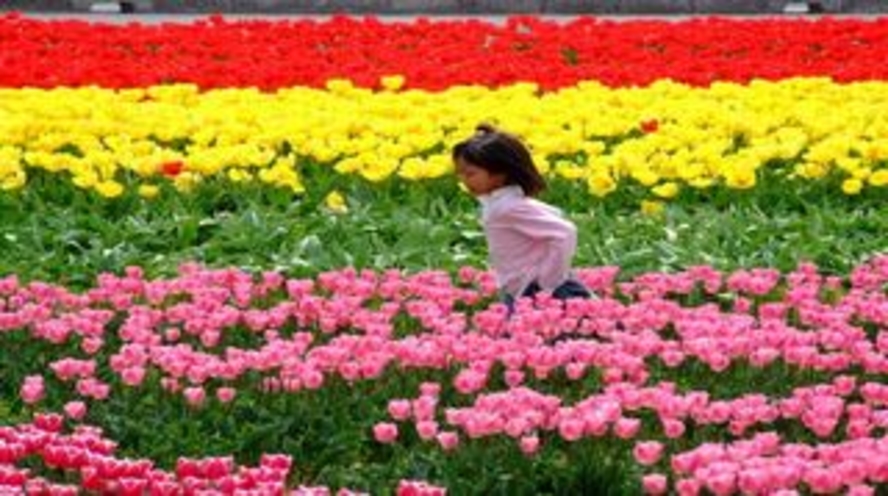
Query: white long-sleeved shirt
[[527, 240]]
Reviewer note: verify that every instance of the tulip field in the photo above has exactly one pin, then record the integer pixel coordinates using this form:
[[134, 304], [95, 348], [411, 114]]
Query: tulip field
[[235, 259]]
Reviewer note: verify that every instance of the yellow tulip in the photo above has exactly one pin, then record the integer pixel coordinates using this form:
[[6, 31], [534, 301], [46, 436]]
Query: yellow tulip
[[852, 186], [392, 83], [652, 208], [666, 190], [13, 180], [740, 177], [86, 180], [186, 181], [413, 169], [148, 191], [811, 170], [879, 178], [109, 189], [569, 170], [601, 184], [240, 175], [336, 202]]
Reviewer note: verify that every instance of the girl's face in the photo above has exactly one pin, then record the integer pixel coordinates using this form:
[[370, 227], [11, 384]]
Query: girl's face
[[477, 180]]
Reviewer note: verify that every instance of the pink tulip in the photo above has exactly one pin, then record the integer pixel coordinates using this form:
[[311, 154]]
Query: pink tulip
[[529, 444], [611, 376], [75, 410], [92, 345], [571, 429], [654, 484], [861, 490], [226, 394], [673, 428], [427, 429], [718, 362], [447, 440], [385, 432], [417, 488], [755, 481], [822, 481], [763, 357], [468, 381], [310, 491], [424, 407], [170, 384], [627, 428], [399, 409], [313, 379], [688, 487], [67, 369], [575, 371], [93, 388], [430, 389], [648, 452], [514, 378], [50, 422], [62, 490], [279, 462], [33, 389], [845, 385], [721, 483], [350, 371], [194, 395], [672, 358], [133, 376], [218, 467]]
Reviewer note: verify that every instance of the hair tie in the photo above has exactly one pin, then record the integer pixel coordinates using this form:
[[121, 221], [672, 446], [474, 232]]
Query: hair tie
[[484, 129]]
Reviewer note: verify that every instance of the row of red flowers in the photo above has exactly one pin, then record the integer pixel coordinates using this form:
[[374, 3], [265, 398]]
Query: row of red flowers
[[271, 54], [85, 454]]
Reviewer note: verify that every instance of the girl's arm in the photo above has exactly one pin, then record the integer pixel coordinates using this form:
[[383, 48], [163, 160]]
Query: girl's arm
[[545, 225]]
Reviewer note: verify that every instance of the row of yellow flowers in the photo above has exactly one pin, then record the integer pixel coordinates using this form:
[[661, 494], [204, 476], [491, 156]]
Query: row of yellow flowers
[[666, 136]]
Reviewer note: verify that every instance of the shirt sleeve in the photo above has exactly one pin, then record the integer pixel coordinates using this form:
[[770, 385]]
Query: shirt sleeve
[[545, 225]]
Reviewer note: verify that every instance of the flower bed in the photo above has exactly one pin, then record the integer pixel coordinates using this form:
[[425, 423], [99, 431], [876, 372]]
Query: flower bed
[[754, 381], [436, 55], [741, 140], [659, 139]]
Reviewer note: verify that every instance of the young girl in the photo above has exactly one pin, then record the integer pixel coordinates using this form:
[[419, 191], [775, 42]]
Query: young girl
[[530, 243]]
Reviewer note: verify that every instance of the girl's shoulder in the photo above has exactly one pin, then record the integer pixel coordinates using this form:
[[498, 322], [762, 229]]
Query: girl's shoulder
[[548, 207], [526, 206]]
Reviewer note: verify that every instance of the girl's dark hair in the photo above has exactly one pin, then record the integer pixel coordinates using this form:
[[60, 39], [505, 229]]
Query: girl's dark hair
[[499, 152]]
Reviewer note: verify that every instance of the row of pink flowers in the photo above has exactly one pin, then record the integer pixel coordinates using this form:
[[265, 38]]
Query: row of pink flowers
[[766, 465], [335, 332], [90, 456], [526, 415], [343, 325]]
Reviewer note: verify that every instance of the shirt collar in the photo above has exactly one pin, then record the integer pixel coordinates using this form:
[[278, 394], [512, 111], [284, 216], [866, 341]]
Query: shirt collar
[[511, 191], [500, 194]]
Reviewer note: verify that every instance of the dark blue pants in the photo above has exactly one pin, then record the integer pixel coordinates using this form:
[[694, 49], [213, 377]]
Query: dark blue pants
[[570, 288]]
